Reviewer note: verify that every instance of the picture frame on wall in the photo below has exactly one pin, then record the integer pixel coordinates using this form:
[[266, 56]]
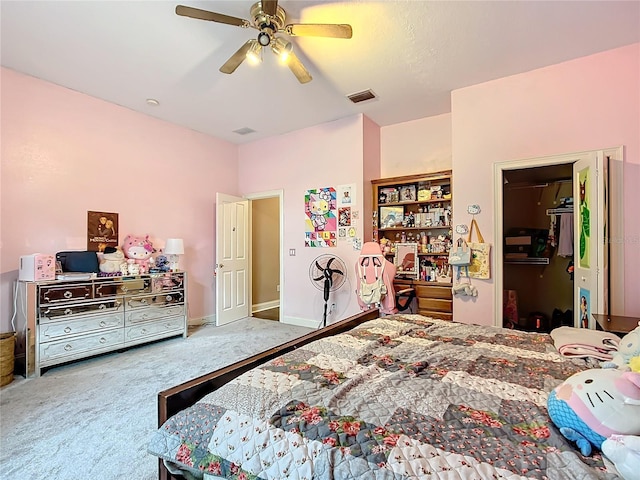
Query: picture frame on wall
[[406, 260], [102, 230], [391, 217]]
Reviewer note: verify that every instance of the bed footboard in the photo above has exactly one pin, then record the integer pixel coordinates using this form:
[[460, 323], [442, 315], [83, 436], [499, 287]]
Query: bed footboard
[[177, 398]]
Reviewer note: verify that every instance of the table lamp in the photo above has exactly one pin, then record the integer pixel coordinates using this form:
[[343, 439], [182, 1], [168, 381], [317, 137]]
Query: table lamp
[[173, 248]]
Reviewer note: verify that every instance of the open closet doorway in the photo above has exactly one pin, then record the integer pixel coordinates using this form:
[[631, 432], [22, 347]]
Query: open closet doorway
[[538, 266], [541, 275], [266, 255]]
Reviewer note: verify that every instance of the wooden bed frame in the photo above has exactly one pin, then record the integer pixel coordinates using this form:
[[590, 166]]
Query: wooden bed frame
[[175, 399]]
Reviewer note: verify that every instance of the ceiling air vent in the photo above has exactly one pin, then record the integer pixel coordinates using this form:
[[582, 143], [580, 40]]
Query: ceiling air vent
[[362, 96], [244, 131]]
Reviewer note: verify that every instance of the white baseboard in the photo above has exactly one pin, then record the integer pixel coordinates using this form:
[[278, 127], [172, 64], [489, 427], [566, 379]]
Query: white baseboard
[[259, 307], [209, 320], [301, 322]]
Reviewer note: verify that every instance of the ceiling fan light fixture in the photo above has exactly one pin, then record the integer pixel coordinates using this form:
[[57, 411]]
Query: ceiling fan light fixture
[[254, 54], [282, 48], [264, 38]]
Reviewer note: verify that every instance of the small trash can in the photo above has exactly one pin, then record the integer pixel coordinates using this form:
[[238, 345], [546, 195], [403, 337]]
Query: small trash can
[[7, 356]]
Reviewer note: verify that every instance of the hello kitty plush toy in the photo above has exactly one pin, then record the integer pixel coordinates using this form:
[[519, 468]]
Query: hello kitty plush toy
[[593, 405], [139, 249]]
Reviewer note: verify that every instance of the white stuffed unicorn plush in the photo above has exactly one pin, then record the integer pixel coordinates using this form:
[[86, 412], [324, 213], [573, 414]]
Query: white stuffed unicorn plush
[[628, 348], [624, 452]]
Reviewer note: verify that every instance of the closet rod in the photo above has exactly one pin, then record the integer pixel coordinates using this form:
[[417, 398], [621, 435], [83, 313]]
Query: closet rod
[[538, 185]]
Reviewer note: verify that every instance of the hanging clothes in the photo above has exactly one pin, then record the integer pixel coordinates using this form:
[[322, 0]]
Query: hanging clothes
[[565, 240], [551, 240]]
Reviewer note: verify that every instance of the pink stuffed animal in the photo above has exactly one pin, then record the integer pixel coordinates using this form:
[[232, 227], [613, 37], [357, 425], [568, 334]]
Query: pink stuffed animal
[[139, 249]]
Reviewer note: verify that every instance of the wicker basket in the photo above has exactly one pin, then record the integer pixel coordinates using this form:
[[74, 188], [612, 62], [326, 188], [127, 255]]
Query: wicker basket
[[7, 355]]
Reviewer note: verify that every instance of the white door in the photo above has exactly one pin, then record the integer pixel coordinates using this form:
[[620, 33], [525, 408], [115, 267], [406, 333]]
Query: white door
[[590, 181], [232, 258]]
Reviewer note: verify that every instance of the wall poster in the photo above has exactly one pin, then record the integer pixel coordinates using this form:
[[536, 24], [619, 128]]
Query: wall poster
[[584, 219], [346, 194], [585, 307], [102, 231], [321, 223]]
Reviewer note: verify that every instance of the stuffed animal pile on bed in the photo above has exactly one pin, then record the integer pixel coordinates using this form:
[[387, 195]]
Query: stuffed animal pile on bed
[[600, 408]]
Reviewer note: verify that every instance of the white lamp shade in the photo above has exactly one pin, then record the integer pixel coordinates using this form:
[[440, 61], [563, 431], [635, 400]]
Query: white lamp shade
[[174, 246]]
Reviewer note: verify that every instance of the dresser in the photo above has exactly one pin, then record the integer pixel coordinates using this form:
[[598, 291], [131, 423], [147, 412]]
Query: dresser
[[433, 300], [65, 320]]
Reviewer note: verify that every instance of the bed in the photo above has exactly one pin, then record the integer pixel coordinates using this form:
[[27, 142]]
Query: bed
[[395, 397]]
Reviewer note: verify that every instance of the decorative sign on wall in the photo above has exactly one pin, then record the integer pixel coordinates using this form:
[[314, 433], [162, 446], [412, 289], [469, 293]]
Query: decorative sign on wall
[[102, 231], [321, 221]]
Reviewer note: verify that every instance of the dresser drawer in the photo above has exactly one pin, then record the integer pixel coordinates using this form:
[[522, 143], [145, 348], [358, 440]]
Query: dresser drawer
[[55, 312], [79, 347], [69, 328], [160, 328], [153, 312], [144, 301], [132, 286], [434, 291], [434, 314], [66, 292], [436, 304], [167, 282]]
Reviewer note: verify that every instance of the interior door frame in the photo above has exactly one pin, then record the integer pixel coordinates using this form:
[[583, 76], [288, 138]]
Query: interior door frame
[[616, 218], [259, 196]]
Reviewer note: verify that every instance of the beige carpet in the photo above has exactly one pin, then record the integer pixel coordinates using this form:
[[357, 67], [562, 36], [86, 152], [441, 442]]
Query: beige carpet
[[92, 419]]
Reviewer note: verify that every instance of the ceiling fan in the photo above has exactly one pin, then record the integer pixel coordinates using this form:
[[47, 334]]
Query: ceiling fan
[[269, 19]]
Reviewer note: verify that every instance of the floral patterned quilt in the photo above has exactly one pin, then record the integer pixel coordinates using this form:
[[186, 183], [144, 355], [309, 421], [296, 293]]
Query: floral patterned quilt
[[398, 397]]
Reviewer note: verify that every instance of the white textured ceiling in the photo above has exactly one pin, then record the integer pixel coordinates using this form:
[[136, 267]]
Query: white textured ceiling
[[410, 53]]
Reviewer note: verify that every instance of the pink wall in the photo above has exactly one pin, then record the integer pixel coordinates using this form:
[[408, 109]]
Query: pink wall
[[585, 104], [64, 153], [414, 147], [371, 170], [330, 154]]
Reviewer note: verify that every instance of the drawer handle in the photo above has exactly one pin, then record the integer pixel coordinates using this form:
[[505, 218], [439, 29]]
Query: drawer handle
[[102, 306], [68, 294], [124, 288], [68, 347], [103, 340], [103, 324], [144, 301], [68, 311], [67, 330], [144, 330], [169, 298], [145, 316]]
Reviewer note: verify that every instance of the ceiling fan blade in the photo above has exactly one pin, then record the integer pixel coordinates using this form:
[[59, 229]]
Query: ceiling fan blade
[[319, 30], [211, 16], [236, 59], [301, 73], [270, 6]]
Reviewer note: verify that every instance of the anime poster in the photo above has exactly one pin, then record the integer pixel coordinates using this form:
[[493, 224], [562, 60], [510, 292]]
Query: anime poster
[[102, 231], [585, 308], [344, 217], [584, 222], [321, 223]]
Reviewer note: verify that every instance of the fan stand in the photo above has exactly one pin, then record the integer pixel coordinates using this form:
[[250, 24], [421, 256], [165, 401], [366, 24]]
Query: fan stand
[[327, 288]]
